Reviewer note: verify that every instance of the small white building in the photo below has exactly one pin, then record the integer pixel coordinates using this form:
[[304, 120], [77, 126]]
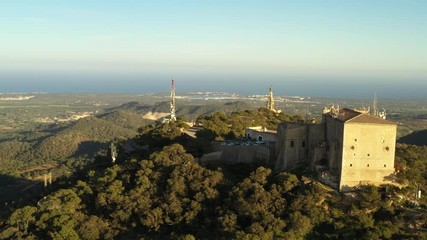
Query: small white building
[[260, 133]]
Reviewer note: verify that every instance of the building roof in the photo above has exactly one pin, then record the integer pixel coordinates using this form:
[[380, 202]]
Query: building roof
[[351, 116], [262, 129], [365, 118], [346, 114]]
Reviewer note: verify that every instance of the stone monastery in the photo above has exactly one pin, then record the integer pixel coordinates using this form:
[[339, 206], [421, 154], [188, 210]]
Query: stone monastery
[[348, 147]]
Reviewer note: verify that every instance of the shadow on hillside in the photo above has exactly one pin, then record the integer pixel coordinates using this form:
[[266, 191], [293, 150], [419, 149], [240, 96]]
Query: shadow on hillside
[[14, 190], [418, 138], [38, 136], [90, 148]]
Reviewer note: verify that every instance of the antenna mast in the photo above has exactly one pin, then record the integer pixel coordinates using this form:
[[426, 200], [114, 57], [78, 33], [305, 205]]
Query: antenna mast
[[375, 106]]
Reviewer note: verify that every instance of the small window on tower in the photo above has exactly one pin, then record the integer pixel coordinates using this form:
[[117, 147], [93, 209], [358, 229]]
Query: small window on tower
[[292, 143], [355, 139], [368, 155], [385, 165], [367, 165], [352, 147], [387, 149], [351, 165], [303, 144]]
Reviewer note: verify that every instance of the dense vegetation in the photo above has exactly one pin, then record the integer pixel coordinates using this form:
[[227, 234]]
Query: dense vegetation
[[412, 162], [170, 196], [67, 141], [159, 191], [221, 126], [64, 142], [190, 111]]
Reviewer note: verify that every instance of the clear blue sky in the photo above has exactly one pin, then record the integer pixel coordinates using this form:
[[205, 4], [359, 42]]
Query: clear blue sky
[[327, 44]]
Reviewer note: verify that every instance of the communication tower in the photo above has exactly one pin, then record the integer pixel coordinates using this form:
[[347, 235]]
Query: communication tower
[[375, 111], [375, 106]]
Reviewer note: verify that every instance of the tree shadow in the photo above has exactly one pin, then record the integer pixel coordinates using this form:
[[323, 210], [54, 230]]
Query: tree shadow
[[89, 148], [16, 191]]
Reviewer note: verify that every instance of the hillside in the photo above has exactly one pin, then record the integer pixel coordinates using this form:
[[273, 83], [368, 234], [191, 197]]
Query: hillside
[[125, 118], [194, 111], [169, 195], [87, 136], [89, 130], [131, 106], [84, 137], [161, 191], [188, 110], [418, 138]]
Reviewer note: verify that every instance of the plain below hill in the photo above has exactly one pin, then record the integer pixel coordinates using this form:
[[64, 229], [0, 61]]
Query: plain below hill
[[418, 138]]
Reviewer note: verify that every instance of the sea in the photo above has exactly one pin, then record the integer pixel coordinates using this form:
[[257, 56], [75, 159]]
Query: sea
[[281, 87]]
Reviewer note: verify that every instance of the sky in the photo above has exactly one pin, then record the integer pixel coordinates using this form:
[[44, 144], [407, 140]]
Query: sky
[[336, 48]]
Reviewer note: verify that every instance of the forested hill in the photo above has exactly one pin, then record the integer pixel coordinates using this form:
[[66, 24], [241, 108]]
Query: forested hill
[[57, 142], [185, 109], [137, 107], [125, 118], [416, 138], [194, 111], [85, 137], [167, 194]]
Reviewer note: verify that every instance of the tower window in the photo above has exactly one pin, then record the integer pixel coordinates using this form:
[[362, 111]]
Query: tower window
[[355, 139], [352, 147], [387, 149], [351, 165], [292, 143], [368, 155], [367, 165], [303, 144], [385, 165]]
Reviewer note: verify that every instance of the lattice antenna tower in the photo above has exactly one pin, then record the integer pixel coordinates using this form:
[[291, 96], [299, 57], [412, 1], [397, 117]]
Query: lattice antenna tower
[[375, 106]]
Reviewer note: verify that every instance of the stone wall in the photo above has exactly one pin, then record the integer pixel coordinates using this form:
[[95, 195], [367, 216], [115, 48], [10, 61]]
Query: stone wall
[[264, 135], [316, 144], [292, 146], [334, 130], [368, 153], [259, 154]]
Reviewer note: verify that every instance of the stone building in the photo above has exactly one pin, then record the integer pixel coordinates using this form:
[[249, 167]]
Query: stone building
[[260, 133], [348, 148]]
